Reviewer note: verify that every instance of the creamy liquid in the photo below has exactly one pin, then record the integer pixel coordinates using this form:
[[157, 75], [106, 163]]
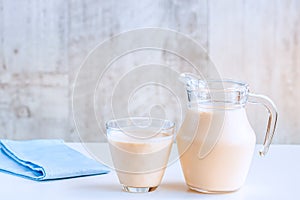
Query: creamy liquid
[[216, 149], [140, 162]]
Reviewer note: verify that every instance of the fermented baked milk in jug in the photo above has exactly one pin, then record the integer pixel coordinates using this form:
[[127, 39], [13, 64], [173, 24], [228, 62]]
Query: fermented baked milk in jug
[[215, 141]]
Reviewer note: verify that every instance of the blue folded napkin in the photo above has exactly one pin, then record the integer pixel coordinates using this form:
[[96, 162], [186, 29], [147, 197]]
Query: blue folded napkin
[[45, 160]]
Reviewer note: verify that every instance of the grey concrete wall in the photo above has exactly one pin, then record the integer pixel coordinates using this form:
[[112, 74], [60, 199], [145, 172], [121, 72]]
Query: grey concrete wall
[[43, 43]]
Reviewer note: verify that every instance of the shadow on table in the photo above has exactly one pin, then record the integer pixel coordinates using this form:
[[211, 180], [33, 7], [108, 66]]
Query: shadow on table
[[100, 187], [179, 187], [183, 188]]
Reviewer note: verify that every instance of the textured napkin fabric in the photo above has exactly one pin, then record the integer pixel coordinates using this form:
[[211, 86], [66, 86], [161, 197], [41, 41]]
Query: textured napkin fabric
[[45, 160]]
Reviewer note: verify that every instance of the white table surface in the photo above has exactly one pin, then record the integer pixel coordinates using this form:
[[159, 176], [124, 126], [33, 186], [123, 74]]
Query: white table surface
[[276, 176]]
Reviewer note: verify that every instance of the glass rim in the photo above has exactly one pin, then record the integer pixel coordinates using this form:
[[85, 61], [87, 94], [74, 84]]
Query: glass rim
[[204, 84], [170, 123]]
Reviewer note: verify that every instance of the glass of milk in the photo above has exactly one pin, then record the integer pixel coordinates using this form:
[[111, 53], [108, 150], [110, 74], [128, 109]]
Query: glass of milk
[[140, 149]]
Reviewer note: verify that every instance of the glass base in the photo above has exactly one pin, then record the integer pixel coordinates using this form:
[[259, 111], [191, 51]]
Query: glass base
[[138, 189], [210, 191]]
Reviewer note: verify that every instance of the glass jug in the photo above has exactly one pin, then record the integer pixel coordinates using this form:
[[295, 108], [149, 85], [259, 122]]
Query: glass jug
[[216, 141]]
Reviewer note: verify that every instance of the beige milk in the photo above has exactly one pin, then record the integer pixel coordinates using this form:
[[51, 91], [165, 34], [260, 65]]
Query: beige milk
[[140, 162], [216, 149]]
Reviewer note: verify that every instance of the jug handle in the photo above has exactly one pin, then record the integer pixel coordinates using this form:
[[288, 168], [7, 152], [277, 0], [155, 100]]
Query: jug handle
[[272, 122]]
